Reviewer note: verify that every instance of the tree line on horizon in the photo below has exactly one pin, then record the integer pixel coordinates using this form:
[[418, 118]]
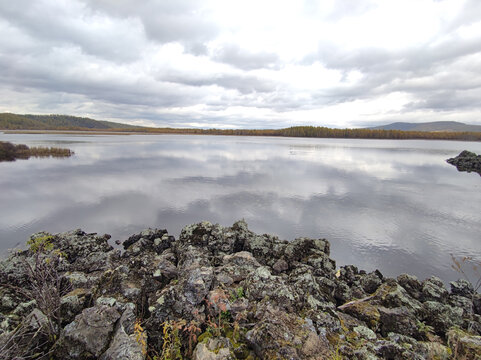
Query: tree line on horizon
[[324, 132], [10, 121]]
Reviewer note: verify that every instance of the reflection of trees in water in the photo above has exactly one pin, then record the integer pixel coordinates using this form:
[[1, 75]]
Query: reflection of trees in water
[[11, 152]]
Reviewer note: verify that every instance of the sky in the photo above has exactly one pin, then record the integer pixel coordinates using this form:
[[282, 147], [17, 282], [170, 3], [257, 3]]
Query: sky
[[243, 64]]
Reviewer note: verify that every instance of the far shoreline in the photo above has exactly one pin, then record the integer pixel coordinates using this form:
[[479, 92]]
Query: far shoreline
[[274, 133]]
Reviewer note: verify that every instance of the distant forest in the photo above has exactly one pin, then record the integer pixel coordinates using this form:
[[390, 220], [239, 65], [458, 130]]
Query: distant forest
[[10, 121], [324, 132], [64, 122]]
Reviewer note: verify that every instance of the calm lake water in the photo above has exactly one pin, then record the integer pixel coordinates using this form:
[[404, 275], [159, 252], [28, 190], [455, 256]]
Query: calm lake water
[[392, 205]]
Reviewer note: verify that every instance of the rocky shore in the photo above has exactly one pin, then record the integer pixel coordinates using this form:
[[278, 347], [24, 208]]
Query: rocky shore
[[467, 161], [222, 293]]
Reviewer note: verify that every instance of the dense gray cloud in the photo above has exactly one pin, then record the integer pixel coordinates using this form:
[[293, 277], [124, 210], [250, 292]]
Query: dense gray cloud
[[250, 64]]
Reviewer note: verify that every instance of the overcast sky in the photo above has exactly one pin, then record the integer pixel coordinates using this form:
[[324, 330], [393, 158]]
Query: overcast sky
[[243, 64]]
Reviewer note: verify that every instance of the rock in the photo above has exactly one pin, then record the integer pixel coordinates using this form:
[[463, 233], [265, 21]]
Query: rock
[[252, 296], [198, 284], [127, 343], [279, 335], [462, 287], [261, 284], [391, 295], [301, 249], [73, 303], [217, 348], [433, 290], [363, 310], [239, 265], [462, 302], [466, 161], [218, 302], [477, 304], [37, 320], [166, 268], [365, 332], [464, 345], [24, 308], [85, 252], [411, 284], [399, 320], [150, 236], [371, 282], [280, 266], [89, 334], [441, 317]]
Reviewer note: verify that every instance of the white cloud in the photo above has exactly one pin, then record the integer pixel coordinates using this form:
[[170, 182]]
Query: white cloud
[[247, 63]]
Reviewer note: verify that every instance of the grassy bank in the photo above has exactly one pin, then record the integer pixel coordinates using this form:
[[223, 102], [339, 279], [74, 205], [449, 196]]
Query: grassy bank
[[11, 152]]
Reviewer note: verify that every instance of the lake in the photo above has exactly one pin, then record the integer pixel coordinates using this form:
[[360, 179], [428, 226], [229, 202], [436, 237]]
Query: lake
[[395, 205]]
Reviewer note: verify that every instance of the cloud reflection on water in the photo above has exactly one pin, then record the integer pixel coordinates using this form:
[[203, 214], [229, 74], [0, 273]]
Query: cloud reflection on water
[[391, 205]]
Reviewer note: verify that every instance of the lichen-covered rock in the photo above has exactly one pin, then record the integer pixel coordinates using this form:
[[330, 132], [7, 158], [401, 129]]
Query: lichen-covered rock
[[371, 282], [390, 294], [364, 311], [279, 335], [411, 284], [127, 344], [73, 303], [217, 348], [238, 265], [89, 335], [462, 287], [148, 240], [262, 284], [249, 295], [85, 252], [197, 284], [466, 161], [464, 345], [441, 317], [433, 290], [399, 320]]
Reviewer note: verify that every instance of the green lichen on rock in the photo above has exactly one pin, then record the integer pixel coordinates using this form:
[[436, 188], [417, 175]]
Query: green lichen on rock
[[228, 293]]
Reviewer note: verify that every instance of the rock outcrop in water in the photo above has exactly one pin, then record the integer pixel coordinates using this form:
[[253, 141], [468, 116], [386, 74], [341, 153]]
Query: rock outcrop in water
[[222, 293], [467, 161]]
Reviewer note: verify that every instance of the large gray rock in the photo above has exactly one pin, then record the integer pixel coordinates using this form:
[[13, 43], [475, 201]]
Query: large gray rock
[[198, 284], [411, 284], [399, 320], [433, 290], [89, 335], [441, 317], [127, 343], [279, 335]]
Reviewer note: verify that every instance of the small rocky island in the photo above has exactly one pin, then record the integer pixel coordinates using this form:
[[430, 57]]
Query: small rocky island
[[222, 293], [467, 161], [11, 152]]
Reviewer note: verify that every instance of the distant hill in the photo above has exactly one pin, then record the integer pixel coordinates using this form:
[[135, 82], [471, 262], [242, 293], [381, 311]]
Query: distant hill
[[10, 121], [430, 126]]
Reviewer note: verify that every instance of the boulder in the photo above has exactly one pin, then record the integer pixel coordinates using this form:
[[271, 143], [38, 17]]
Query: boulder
[[279, 335], [89, 335], [130, 339], [467, 161]]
